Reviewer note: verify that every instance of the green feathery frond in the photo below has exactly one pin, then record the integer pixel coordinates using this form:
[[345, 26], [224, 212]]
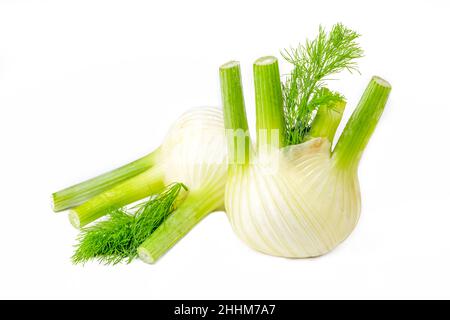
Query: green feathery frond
[[116, 239], [314, 62]]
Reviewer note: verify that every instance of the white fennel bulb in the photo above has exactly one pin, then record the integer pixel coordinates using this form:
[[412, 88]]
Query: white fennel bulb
[[184, 180], [300, 200], [194, 151], [303, 206]]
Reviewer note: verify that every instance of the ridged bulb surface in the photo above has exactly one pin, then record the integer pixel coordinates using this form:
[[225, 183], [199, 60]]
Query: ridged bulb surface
[[194, 151], [301, 205]]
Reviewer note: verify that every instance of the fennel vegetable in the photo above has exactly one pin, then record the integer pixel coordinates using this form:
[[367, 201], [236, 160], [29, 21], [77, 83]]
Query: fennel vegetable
[[288, 195], [193, 153], [305, 200]]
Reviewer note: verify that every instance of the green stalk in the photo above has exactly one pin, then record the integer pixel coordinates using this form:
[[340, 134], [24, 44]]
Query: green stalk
[[361, 124], [270, 123], [327, 120], [235, 118], [79, 193], [129, 191], [191, 211]]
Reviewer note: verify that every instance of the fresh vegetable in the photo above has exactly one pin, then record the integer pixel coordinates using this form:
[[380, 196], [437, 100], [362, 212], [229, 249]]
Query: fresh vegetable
[[289, 195], [295, 199], [193, 153]]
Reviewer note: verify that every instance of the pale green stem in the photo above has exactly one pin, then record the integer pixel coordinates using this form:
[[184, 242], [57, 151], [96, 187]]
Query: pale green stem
[[235, 118], [79, 193], [270, 124], [327, 120], [136, 188], [361, 124], [191, 211]]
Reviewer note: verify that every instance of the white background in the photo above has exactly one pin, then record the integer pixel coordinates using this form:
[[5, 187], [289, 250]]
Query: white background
[[86, 86]]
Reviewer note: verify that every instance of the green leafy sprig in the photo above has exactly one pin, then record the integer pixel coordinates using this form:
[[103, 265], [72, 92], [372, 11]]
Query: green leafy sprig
[[304, 88], [116, 239]]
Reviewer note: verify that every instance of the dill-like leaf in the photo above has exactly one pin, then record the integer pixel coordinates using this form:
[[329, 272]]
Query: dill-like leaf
[[116, 239], [314, 62], [324, 96]]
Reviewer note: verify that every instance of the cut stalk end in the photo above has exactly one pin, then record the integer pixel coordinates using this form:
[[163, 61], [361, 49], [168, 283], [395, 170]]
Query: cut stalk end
[[230, 64], [52, 202], [381, 82], [74, 219], [267, 60], [145, 255]]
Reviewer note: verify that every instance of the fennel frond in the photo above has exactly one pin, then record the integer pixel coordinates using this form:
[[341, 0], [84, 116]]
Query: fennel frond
[[116, 239], [304, 88]]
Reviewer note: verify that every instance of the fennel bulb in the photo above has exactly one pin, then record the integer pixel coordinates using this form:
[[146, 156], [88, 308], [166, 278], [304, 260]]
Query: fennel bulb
[[193, 154], [300, 200]]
